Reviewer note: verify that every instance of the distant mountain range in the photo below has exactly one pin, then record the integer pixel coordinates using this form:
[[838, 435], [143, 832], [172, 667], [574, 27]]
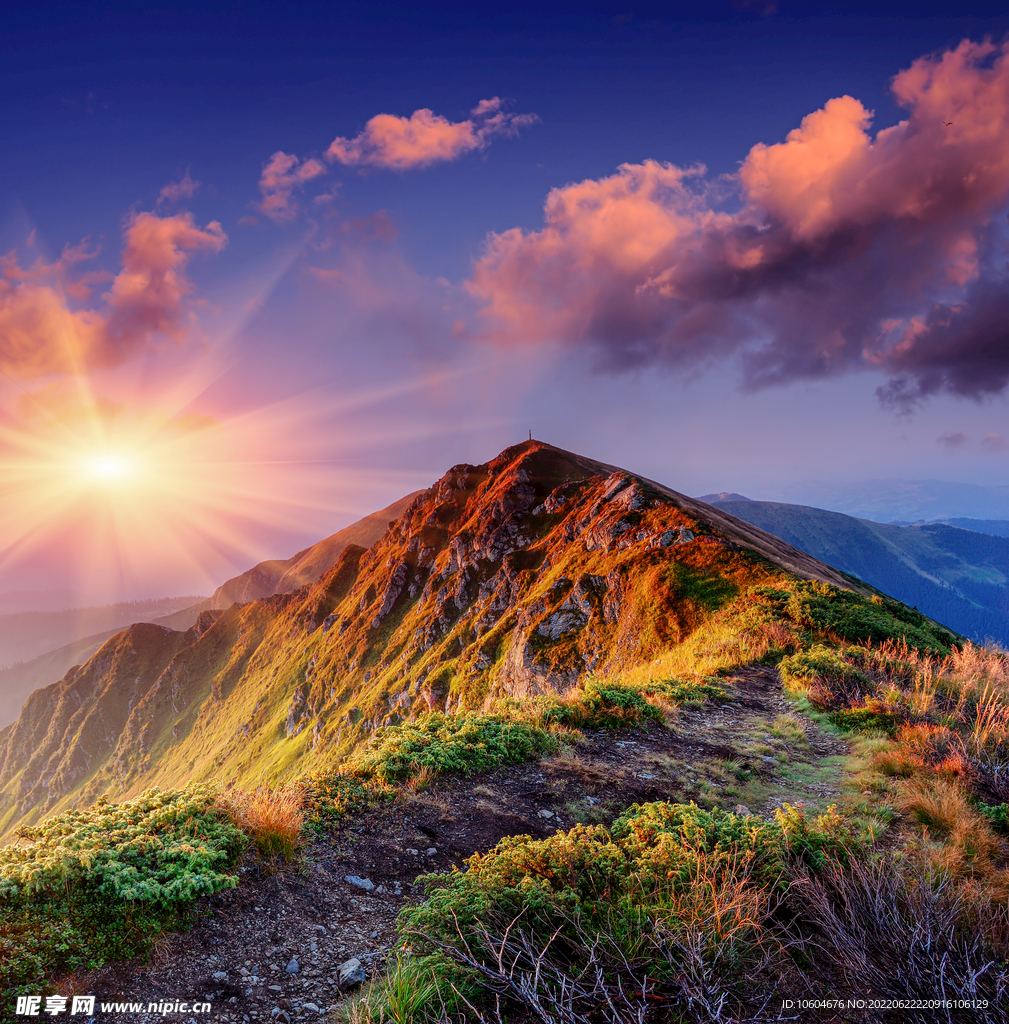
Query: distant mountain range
[[956, 576], [905, 501]]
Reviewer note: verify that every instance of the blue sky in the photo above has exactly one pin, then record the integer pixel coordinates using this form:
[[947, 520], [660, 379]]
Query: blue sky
[[375, 379]]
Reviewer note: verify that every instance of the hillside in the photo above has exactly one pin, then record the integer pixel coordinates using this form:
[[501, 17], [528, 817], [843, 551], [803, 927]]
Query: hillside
[[267, 578], [513, 578], [955, 576], [996, 527]]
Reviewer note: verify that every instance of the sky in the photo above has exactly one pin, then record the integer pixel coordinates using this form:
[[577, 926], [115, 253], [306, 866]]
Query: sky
[[266, 268]]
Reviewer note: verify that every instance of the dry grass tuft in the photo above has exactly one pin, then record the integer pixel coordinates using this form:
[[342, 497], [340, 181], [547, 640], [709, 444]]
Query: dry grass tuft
[[936, 803], [272, 819], [896, 930]]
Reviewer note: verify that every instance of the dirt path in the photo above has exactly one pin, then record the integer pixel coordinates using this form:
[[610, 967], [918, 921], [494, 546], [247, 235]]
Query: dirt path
[[752, 751]]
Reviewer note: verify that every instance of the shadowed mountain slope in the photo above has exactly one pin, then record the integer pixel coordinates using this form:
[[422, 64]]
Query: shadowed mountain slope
[[956, 576], [270, 577], [997, 527], [513, 578]]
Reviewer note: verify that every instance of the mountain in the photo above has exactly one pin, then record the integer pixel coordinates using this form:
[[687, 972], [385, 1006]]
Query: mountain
[[996, 527], [955, 576], [17, 681], [27, 634], [711, 499], [281, 576], [512, 578], [908, 501]]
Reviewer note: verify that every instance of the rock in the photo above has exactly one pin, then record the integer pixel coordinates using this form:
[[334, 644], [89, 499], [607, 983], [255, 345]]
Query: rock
[[545, 813], [275, 1012], [362, 883], [430, 851], [243, 972], [742, 810], [311, 1006], [410, 850], [274, 988], [293, 967], [351, 973], [220, 975], [593, 800], [768, 760]]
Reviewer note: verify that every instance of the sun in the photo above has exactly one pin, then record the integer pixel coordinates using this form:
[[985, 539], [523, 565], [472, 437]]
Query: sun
[[109, 468]]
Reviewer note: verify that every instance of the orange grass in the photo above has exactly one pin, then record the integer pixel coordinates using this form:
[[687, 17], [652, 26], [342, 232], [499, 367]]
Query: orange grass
[[273, 819]]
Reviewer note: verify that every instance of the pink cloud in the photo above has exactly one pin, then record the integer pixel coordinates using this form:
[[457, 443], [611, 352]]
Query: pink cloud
[[424, 138], [282, 175], [186, 188], [844, 250], [40, 333], [994, 443]]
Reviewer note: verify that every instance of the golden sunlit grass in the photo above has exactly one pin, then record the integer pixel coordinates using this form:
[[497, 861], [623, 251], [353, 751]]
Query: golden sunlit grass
[[273, 819]]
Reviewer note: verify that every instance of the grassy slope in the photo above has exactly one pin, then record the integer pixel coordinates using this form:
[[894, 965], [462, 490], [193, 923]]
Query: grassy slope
[[956, 576]]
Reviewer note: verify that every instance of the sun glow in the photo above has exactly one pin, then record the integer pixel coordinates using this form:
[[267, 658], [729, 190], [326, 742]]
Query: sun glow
[[109, 468], [146, 495]]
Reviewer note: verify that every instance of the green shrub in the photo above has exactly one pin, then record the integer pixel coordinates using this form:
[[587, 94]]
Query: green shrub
[[866, 718], [624, 894], [827, 609], [803, 671], [162, 848], [437, 743], [689, 692], [599, 705], [90, 886], [997, 814], [328, 796]]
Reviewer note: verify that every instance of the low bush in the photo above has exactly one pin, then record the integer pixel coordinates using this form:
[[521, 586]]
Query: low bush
[[437, 743], [598, 705], [671, 903], [327, 796], [856, 619], [997, 814], [86, 887]]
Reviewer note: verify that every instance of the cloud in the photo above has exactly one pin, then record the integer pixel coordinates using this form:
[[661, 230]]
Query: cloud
[[176, 190], [425, 138], [40, 332], [994, 443], [832, 251], [282, 175], [952, 440]]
